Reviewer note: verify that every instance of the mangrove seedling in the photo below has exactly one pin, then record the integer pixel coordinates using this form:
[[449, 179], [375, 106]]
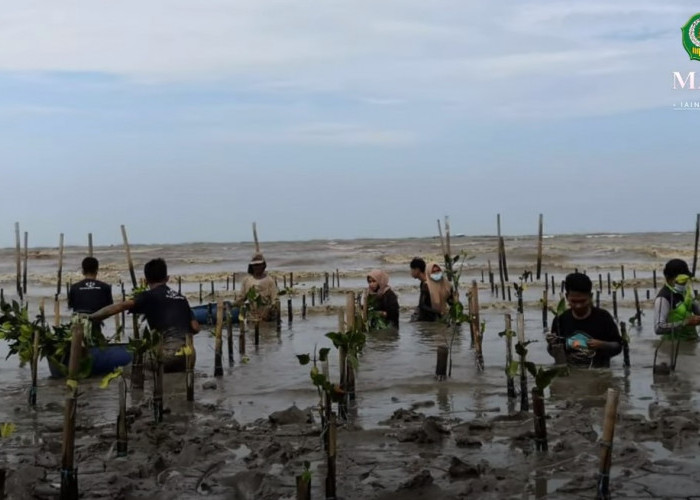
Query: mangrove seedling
[[304, 482], [543, 378], [150, 345], [118, 374]]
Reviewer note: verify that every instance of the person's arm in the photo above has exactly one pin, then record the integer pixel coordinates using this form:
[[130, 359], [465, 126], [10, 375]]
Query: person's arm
[[194, 326], [611, 345], [111, 310], [392, 309], [662, 308], [70, 298]]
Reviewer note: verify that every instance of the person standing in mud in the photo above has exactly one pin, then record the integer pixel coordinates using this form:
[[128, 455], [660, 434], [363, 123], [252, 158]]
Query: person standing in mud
[[435, 291], [265, 287], [166, 311], [676, 312], [423, 311], [381, 298], [588, 335], [90, 294]]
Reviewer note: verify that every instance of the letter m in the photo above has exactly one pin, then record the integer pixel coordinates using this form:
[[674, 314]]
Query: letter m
[[689, 80]]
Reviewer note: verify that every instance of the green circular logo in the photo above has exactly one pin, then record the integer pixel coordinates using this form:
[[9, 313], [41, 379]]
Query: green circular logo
[[691, 37]]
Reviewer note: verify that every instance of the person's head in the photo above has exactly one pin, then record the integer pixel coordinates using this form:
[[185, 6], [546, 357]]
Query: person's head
[[417, 268], [677, 274], [90, 266], [435, 272], [155, 271], [377, 281], [579, 293], [675, 268], [257, 265]]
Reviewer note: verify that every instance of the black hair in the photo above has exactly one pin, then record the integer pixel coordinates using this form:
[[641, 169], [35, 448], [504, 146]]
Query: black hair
[[90, 265], [674, 267], [155, 270], [418, 263], [578, 282]]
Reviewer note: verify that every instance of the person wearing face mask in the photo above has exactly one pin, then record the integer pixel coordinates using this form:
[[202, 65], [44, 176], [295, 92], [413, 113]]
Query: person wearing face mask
[[381, 297], [676, 312], [588, 335], [437, 301]]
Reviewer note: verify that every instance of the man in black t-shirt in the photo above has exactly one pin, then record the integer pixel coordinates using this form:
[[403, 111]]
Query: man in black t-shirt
[[90, 294], [588, 335], [166, 311]]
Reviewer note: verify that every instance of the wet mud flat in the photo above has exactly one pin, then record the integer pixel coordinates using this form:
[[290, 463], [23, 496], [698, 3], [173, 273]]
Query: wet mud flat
[[418, 451]]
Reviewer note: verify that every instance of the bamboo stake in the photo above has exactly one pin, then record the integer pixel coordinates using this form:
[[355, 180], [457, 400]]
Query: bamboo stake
[[69, 474], [278, 315], [129, 262], [303, 488], [122, 437], [331, 470], [256, 328], [442, 241], [35, 355], [625, 344], [638, 314], [447, 241], [229, 332], [303, 306], [540, 420], [241, 336], [137, 374], [350, 326], [544, 310], [19, 263], [540, 236], [90, 244], [158, 385], [606, 444], [614, 301], [509, 357], [56, 312], [26, 258], [218, 366], [476, 324], [255, 238], [189, 368], [365, 306], [697, 237], [524, 404]]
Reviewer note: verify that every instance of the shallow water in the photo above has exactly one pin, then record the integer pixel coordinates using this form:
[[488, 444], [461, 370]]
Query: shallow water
[[396, 369]]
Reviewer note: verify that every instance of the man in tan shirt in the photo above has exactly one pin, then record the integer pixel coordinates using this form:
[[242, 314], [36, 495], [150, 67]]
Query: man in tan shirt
[[265, 286]]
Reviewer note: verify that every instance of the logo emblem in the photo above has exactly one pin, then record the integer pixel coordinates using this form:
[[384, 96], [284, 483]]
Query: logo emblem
[[691, 37]]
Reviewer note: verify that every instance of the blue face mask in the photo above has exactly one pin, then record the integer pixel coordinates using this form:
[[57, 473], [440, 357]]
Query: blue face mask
[[436, 276]]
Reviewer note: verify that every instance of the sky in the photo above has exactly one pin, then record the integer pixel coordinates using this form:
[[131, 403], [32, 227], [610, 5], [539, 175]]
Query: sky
[[187, 121]]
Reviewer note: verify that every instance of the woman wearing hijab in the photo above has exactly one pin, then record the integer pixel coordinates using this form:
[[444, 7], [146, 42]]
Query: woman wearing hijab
[[381, 297], [440, 291], [264, 284]]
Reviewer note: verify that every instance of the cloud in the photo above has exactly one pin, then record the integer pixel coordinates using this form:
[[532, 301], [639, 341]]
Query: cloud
[[467, 54], [339, 134]]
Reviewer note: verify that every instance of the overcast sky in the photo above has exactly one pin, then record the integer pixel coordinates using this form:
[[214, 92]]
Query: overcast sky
[[186, 121]]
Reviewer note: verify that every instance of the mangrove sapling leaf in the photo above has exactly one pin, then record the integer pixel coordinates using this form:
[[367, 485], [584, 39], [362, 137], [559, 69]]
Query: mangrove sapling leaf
[[323, 354], [507, 333], [118, 372], [545, 376], [304, 359], [560, 309], [7, 429], [521, 347], [306, 475]]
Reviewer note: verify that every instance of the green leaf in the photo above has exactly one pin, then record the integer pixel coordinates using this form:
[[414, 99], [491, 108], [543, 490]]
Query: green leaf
[[513, 369], [532, 368], [72, 384], [6, 429], [545, 377], [304, 359], [338, 339], [111, 376], [323, 354]]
